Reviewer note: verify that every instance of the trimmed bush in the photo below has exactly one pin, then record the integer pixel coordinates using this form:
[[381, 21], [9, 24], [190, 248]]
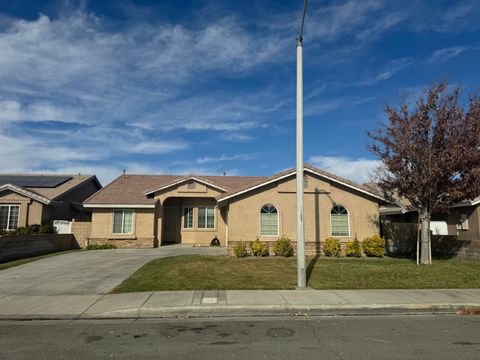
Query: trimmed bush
[[331, 247], [259, 248], [46, 228], [100, 246], [240, 250], [374, 246], [283, 247], [353, 248]]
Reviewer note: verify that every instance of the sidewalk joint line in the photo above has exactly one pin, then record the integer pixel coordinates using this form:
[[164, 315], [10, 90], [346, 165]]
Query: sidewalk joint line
[[141, 306], [88, 307], [340, 296], [284, 298]]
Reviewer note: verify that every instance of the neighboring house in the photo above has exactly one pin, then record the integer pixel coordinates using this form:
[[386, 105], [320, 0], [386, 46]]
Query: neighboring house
[[27, 199], [152, 210], [455, 233]]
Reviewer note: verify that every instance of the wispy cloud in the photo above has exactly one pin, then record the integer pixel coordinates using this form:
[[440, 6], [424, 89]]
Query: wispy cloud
[[388, 71], [236, 157], [445, 54], [354, 169]]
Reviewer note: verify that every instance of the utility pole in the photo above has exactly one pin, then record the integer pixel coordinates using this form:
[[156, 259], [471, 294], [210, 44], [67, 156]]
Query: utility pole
[[302, 275]]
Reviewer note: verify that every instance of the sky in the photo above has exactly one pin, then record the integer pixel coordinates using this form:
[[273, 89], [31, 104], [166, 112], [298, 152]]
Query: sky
[[208, 86]]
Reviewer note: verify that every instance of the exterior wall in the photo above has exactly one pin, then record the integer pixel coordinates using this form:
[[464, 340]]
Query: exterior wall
[[30, 210], [20, 247], [320, 197], [181, 196], [143, 229], [81, 229], [65, 210]]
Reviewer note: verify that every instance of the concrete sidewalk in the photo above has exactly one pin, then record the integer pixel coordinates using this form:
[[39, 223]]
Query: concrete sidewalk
[[237, 303]]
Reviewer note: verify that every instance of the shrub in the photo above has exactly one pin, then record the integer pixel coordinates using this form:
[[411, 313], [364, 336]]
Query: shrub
[[283, 247], [259, 248], [46, 228], [100, 246], [353, 248], [331, 247], [374, 246], [240, 250]]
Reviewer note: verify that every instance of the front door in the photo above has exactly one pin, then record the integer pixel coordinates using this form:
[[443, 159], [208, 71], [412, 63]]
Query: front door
[[170, 225]]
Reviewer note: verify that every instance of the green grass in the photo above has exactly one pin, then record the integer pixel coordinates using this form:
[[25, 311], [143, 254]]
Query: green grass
[[7, 265], [195, 272]]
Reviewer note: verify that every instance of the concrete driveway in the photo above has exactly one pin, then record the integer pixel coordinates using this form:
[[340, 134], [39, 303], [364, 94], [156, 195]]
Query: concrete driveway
[[86, 272]]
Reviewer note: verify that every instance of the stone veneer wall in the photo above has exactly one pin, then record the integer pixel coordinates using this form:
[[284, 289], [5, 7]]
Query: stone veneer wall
[[140, 243], [14, 247]]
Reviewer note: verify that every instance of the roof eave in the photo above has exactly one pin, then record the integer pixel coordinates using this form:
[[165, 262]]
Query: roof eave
[[119, 205], [22, 191]]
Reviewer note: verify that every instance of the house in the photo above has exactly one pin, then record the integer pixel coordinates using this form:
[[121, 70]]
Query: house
[[454, 233], [150, 210], [28, 199]]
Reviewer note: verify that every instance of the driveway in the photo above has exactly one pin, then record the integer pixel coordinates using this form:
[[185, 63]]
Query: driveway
[[86, 272]]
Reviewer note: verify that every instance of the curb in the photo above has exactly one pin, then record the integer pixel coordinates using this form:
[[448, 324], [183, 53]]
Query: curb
[[241, 311]]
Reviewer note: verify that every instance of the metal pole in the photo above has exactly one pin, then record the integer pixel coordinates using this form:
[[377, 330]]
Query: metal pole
[[302, 276]]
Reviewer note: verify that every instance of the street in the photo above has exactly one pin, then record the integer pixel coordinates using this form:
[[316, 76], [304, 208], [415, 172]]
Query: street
[[367, 337]]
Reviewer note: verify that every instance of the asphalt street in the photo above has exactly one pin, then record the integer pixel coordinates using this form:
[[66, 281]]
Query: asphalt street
[[374, 337]]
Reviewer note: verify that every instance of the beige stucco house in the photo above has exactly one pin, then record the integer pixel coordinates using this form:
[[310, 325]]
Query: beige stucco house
[[28, 199], [151, 210]]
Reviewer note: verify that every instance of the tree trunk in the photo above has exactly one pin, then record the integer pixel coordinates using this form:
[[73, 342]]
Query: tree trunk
[[425, 237]]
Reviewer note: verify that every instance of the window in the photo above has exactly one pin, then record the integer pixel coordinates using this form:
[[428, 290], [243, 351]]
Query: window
[[305, 182], [206, 217], [269, 220], [188, 218], [123, 221], [339, 221], [9, 216], [191, 185]]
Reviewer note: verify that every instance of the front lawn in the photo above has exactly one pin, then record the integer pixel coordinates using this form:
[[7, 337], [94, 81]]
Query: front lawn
[[196, 272]]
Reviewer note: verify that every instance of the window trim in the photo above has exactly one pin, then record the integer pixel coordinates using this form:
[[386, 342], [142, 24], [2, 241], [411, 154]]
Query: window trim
[[193, 218], [348, 220], [123, 222], [260, 220], [197, 227], [9, 214]]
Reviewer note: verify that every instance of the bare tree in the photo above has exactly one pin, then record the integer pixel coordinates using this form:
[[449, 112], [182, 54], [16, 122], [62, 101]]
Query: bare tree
[[430, 154]]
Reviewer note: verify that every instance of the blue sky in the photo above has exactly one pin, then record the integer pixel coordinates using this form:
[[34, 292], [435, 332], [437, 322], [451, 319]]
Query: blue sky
[[208, 87]]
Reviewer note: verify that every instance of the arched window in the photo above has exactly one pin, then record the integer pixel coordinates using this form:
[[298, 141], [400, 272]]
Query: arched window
[[339, 222], [269, 220]]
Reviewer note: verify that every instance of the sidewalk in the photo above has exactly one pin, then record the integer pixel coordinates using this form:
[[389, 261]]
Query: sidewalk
[[237, 303]]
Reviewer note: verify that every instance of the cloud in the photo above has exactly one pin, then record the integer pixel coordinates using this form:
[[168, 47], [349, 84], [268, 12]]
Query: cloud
[[354, 169], [210, 159], [388, 71], [445, 54]]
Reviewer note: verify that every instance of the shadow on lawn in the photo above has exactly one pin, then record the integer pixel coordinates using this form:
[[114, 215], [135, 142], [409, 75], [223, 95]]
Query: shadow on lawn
[[311, 266]]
